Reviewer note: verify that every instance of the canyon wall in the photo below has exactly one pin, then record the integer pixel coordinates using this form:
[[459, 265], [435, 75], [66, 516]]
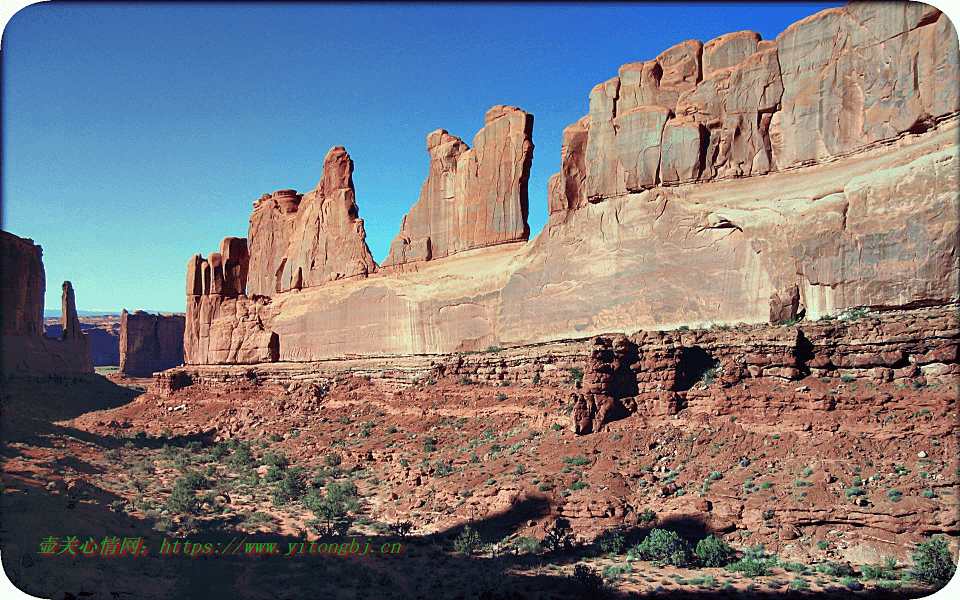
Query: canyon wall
[[150, 343], [738, 106], [25, 350], [740, 180]]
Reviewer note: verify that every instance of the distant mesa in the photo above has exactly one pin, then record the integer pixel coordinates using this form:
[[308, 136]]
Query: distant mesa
[[150, 343], [712, 184]]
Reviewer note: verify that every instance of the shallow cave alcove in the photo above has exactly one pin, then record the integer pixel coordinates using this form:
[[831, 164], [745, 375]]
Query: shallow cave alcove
[[693, 363]]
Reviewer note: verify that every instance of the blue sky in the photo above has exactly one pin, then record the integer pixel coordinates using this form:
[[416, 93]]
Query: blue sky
[[135, 136]]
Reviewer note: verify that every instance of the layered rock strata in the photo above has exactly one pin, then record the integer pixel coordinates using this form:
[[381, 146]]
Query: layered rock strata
[[660, 217], [25, 350], [222, 325], [150, 343], [835, 82], [472, 198]]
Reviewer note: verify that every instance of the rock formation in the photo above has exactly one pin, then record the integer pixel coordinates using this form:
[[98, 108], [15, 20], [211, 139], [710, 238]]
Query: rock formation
[[736, 106], [23, 285], [304, 241], [472, 198], [25, 350], [68, 313], [150, 343], [715, 184], [222, 325]]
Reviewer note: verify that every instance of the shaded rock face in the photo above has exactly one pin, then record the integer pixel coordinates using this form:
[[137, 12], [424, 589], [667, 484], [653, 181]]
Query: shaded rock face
[[835, 82], [25, 350], [150, 343], [22, 286], [68, 313], [303, 241], [472, 198]]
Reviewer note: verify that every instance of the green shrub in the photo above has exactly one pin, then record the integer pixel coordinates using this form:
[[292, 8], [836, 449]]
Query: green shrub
[[611, 542], [528, 545], [290, 488], [834, 569], [442, 468], [182, 500], [716, 475], [647, 516], [579, 485], [614, 571], [755, 562], [713, 552], [193, 480], [933, 562], [276, 460], [888, 570], [468, 542], [666, 547], [591, 585], [851, 583]]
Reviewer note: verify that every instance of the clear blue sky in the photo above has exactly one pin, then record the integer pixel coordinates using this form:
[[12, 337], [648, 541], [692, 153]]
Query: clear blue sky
[[137, 136]]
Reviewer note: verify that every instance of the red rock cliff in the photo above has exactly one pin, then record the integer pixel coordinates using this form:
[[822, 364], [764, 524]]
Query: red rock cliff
[[25, 350], [472, 197], [833, 83], [150, 343], [716, 184], [303, 241]]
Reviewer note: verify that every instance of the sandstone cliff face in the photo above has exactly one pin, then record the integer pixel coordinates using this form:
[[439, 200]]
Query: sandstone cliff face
[[303, 241], [25, 350], [22, 286], [150, 343], [660, 215], [222, 325], [737, 106], [472, 197]]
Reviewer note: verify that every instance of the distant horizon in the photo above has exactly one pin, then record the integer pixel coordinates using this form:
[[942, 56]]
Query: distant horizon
[[50, 313]]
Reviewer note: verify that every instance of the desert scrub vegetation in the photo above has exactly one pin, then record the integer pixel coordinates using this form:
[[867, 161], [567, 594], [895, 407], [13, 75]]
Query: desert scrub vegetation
[[933, 562], [468, 542], [755, 562], [713, 552], [664, 547]]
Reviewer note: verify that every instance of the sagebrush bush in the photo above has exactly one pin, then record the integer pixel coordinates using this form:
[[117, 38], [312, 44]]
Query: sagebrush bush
[[755, 562], [666, 547], [713, 552]]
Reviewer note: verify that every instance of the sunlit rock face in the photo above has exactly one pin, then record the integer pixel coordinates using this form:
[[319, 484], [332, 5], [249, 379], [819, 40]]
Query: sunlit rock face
[[737, 180], [472, 198]]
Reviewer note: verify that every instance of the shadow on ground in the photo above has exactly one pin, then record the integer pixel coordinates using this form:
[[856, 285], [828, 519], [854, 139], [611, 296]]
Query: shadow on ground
[[427, 568]]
